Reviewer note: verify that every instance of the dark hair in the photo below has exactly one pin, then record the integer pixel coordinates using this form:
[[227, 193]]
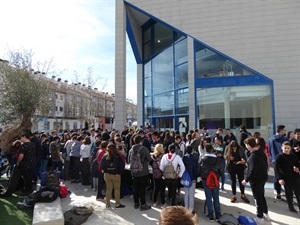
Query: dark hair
[[209, 148], [280, 128], [87, 141], [104, 144], [177, 137], [243, 127], [297, 130], [112, 151], [286, 143], [189, 149], [261, 143], [172, 148], [55, 138], [137, 139]]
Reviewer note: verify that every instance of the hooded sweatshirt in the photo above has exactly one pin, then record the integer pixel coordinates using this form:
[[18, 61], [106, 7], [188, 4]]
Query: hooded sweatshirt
[[275, 142], [257, 167], [211, 162]]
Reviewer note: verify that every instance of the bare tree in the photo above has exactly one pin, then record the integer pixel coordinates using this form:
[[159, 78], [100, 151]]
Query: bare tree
[[23, 94]]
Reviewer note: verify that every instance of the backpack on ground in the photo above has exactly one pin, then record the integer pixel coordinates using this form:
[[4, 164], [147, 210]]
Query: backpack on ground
[[157, 173], [212, 180], [246, 220], [136, 165], [169, 171], [77, 215], [228, 219]]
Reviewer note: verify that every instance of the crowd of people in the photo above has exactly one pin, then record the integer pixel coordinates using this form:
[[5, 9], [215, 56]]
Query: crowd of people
[[159, 159]]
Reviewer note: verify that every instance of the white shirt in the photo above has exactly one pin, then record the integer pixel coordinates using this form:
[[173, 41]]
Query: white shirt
[[85, 151], [177, 161]]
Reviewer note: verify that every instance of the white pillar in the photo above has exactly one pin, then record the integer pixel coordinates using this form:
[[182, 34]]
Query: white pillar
[[227, 112], [120, 66], [191, 76], [139, 109]]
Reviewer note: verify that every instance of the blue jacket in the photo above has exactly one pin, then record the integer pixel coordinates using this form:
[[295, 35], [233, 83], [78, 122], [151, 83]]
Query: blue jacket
[[275, 142], [191, 165]]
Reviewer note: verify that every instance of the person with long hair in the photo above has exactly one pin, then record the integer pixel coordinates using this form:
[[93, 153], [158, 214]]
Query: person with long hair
[[85, 150], [113, 166], [159, 185], [236, 163], [257, 176]]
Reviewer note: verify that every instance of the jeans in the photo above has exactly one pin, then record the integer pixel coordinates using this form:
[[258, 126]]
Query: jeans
[[258, 191], [159, 187], [189, 196], [44, 165], [113, 182], [139, 189], [209, 195]]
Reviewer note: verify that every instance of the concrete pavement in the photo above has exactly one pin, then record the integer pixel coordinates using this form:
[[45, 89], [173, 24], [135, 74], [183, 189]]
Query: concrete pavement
[[85, 196]]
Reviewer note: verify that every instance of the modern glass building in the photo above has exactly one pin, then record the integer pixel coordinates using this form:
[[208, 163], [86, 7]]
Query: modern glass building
[[211, 64]]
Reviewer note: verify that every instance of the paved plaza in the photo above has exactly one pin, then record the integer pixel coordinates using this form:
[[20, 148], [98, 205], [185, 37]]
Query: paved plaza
[[85, 196]]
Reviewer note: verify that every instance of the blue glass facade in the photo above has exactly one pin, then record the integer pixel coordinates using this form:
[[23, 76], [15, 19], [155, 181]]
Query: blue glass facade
[[227, 93]]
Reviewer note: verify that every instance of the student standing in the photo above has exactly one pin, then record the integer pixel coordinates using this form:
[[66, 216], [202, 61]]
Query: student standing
[[113, 166], [287, 173], [210, 162], [236, 160], [275, 142], [257, 176], [191, 164], [176, 162]]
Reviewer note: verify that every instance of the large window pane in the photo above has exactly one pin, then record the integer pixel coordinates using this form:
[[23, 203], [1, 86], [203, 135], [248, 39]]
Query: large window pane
[[163, 37], [181, 76], [147, 75], [229, 107], [147, 35], [163, 104], [181, 52], [212, 64], [182, 101], [148, 106], [163, 71]]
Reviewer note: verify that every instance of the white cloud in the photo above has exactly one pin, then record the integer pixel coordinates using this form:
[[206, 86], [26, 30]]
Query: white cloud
[[77, 34]]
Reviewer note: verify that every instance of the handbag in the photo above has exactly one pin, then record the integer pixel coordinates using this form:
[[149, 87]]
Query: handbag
[[186, 179]]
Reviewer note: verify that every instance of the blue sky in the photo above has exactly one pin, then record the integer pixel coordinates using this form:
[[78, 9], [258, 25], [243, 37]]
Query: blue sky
[[76, 34]]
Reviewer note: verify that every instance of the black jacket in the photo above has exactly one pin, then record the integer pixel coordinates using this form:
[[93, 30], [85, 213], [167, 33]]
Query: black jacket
[[211, 162], [114, 166], [257, 167]]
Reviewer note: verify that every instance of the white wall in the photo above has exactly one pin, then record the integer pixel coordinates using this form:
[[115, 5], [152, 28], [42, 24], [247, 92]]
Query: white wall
[[263, 35]]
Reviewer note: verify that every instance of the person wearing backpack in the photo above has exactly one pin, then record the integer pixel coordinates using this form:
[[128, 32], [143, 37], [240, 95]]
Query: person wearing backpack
[[211, 168], [173, 168], [191, 165], [159, 184], [139, 159]]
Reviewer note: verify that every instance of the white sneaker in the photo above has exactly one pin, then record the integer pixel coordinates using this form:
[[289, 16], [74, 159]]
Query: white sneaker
[[267, 217], [164, 206], [155, 204], [259, 220]]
